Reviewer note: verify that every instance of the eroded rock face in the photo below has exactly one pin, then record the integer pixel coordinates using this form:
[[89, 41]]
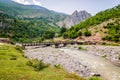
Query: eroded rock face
[[74, 19]]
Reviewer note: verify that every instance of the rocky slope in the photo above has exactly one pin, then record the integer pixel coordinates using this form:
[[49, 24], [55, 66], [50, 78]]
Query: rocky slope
[[74, 19]]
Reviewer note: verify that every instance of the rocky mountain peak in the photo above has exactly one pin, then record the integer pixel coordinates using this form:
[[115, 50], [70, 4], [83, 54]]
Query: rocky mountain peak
[[74, 19], [75, 12]]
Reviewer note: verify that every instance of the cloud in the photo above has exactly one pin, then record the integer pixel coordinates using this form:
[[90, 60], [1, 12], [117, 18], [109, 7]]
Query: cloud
[[29, 2], [37, 2]]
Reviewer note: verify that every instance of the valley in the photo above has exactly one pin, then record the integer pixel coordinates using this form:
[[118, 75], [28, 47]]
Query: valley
[[39, 43]]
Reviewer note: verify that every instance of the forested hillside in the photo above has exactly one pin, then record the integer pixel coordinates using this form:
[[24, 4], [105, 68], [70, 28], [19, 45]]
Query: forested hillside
[[113, 29], [26, 30], [29, 11]]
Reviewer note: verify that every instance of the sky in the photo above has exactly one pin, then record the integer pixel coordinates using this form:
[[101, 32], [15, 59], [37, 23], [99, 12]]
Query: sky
[[69, 6]]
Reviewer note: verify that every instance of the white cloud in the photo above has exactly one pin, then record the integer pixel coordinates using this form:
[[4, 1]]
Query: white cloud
[[28, 2], [37, 2]]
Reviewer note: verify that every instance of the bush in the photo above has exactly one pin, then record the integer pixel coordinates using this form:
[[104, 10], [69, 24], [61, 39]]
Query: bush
[[13, 58], [62, 30], [37, 65], [104, 56], [65, 35], [19, 48], [81, 48], [87, 33], [29, 63], [57, 66], [79, 33]]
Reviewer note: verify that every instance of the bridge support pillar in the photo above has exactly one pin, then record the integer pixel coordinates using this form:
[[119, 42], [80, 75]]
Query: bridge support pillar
[[64, 45], [56, 45]]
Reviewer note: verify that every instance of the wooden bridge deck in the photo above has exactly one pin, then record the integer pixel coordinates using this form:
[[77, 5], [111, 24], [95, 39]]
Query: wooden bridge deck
[[55, 43]]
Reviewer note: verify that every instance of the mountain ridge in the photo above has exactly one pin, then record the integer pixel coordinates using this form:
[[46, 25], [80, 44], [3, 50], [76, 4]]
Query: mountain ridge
[[74, 19], [29, 11]]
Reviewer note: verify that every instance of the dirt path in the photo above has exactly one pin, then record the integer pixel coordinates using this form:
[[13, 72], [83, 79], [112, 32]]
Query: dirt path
[[107, 70]]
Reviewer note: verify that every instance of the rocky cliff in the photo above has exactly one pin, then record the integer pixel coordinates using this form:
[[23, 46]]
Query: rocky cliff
[[74, 19]]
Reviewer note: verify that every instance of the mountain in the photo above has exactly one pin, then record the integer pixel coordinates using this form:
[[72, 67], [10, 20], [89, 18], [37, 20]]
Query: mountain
[[29, 11], [104, 26], [74, 19]]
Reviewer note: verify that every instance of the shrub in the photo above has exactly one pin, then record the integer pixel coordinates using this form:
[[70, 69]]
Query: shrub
[[57, 66], [81, 48], [13, 58], [62, 30], [19, 48], [65, 35], [79, 33], [104, 56], [37, 65], [24, 56], [87, 33], [29, 63]]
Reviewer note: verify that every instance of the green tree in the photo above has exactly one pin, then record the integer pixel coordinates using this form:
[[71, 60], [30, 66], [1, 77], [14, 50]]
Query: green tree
[[49, 34], [79, 33], [62, 30], [87, 33]]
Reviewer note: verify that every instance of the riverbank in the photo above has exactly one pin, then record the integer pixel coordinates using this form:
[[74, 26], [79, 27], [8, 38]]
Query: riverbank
[[83, 62]]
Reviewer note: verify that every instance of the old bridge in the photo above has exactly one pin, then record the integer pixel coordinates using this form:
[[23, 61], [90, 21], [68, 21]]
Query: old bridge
[[56, 44]]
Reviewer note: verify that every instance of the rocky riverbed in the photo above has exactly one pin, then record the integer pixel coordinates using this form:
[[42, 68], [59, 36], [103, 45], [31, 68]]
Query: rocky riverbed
[[84, 62], [111, 53]]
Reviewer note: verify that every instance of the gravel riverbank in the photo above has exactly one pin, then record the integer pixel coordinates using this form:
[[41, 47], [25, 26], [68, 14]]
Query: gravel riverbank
[[84, 62], [58, 57]]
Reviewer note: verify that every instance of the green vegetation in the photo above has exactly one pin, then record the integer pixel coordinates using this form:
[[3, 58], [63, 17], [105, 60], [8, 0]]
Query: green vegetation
[[81, 48], [37, 65], [104, 56], [23, 69], [58, 66], [79, 33], [94, 78], [113, 33], [26, 30], [63, 30], [87, 33], [95, 20], [29, 23], [31, 11]]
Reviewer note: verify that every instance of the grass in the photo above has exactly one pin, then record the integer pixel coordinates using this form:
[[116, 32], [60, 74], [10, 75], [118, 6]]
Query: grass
[[94, 78], [13, 67], [81, 48], [104, 56]]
